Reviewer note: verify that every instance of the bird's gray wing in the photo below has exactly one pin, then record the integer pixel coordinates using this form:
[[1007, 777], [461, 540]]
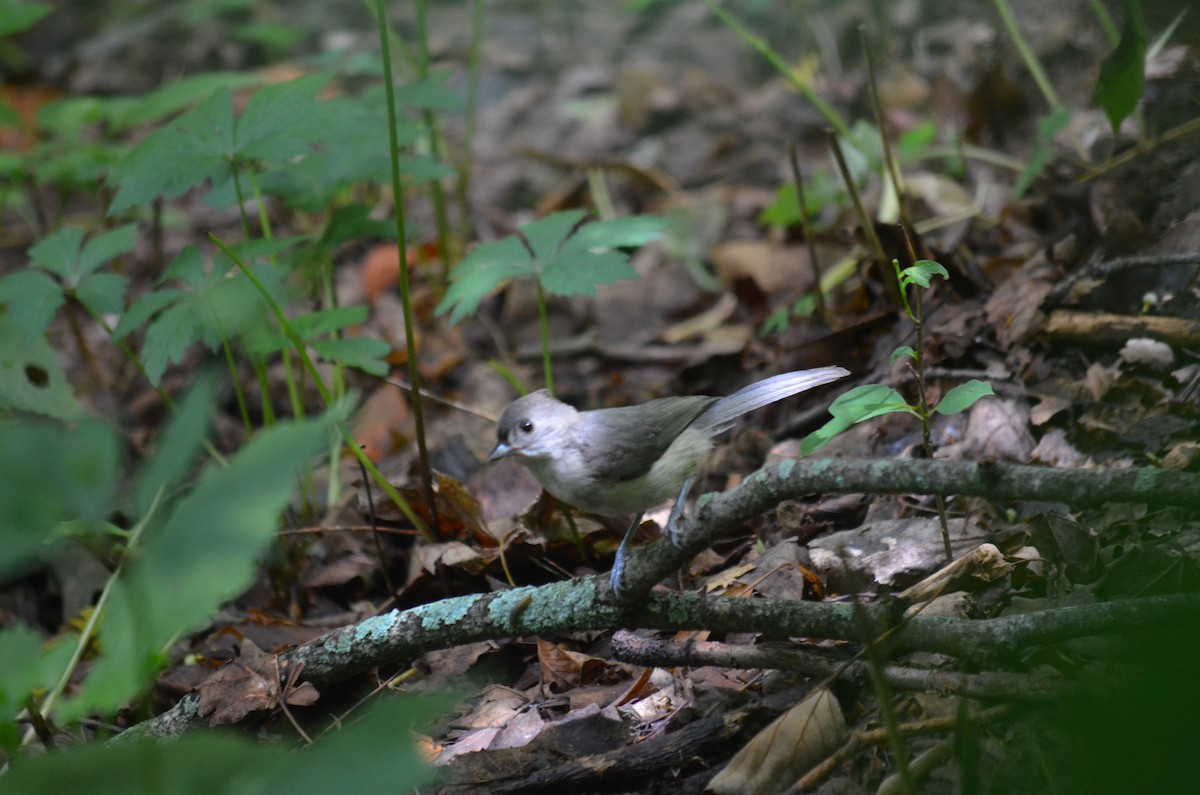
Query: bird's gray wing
[[761, 393], [623, 443]]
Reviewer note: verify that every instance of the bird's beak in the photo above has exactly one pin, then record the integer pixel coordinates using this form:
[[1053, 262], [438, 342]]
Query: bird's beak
[[502, 450]]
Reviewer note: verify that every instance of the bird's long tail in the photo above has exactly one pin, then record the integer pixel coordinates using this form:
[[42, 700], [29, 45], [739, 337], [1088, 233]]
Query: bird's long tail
[[765, 392]]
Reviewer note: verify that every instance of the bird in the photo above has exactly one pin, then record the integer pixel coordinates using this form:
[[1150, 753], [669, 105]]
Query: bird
[[623, 461]]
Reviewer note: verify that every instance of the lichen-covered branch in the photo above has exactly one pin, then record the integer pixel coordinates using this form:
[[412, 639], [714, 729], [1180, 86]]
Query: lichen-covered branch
[[587, 604], [720, 514]]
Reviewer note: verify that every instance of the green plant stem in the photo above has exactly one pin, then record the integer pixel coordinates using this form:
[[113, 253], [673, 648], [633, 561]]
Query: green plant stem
[[1106, 22], [264, 388], [89, 628], [883, 695], [383, 567], [601, 198], [263, 221], [544, 330], [918, 320], [398, 44], [1028, 56], [238, 393], [289, 376], [437, 193], [80, 340], [298, 344], [889, 156], [764, 49], [818, 289], [241, 202], [410, 343], [868, 225], [467, 161]]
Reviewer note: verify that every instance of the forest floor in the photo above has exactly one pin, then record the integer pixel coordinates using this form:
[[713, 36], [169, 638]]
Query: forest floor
[[1072, 289]]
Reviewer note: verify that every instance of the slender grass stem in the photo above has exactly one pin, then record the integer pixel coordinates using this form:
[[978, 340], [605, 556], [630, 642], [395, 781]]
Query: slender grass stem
[[544, 329], [467, 160], [410, 339], [1028, 56], [437, 193]]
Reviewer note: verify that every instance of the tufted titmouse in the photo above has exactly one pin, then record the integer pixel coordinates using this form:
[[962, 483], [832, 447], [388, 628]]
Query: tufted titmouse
[[623, 461]]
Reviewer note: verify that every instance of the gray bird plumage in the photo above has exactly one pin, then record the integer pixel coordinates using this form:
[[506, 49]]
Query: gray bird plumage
[[627, 460]]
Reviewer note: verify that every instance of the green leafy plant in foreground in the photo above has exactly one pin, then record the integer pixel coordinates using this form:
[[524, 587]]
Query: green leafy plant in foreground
[[374, 755], [563, 256], [186, 550], [874, 400]]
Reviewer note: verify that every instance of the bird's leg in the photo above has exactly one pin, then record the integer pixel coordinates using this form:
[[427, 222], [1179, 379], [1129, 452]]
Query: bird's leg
[[618, 568], [677, 511]]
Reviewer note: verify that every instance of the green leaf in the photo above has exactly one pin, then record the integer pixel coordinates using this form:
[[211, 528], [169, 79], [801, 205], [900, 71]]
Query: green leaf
[[922, 272], [567, 259], [963, 396], [144, 308], [365, 353], [629, 232], [178, 445], [430, 94], [30, 376], [546, 235], [1049, 127], [58, 253], [202, 555], [103, 293], [283, 121], [282, 124], [776, 323], [102, 248], [481, 272], [27, 668], [354, 221], [32, 297], [195, 148], [50, 473], [567, 276], [589, 257], [309, 327], [122, 113], [374, 755], [861, 403], [916, 140], [322, 322], [18, 15], [901, 352], [313, 182], [214, 304], [820, 191], [65, 255], [1123, 74]]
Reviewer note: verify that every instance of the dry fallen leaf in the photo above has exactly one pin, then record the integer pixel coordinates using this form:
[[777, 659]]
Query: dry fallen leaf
[[781, 753], [248, 684]]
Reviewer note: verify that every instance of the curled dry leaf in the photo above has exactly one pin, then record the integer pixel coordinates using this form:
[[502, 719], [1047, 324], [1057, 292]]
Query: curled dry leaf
[[248, 684], [781, 753]]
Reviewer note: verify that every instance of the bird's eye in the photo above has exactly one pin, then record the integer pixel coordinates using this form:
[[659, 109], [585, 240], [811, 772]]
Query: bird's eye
[[527, 427]]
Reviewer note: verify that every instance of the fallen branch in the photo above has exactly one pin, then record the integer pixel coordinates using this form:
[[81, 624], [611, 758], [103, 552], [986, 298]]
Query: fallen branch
[[394, 639]]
